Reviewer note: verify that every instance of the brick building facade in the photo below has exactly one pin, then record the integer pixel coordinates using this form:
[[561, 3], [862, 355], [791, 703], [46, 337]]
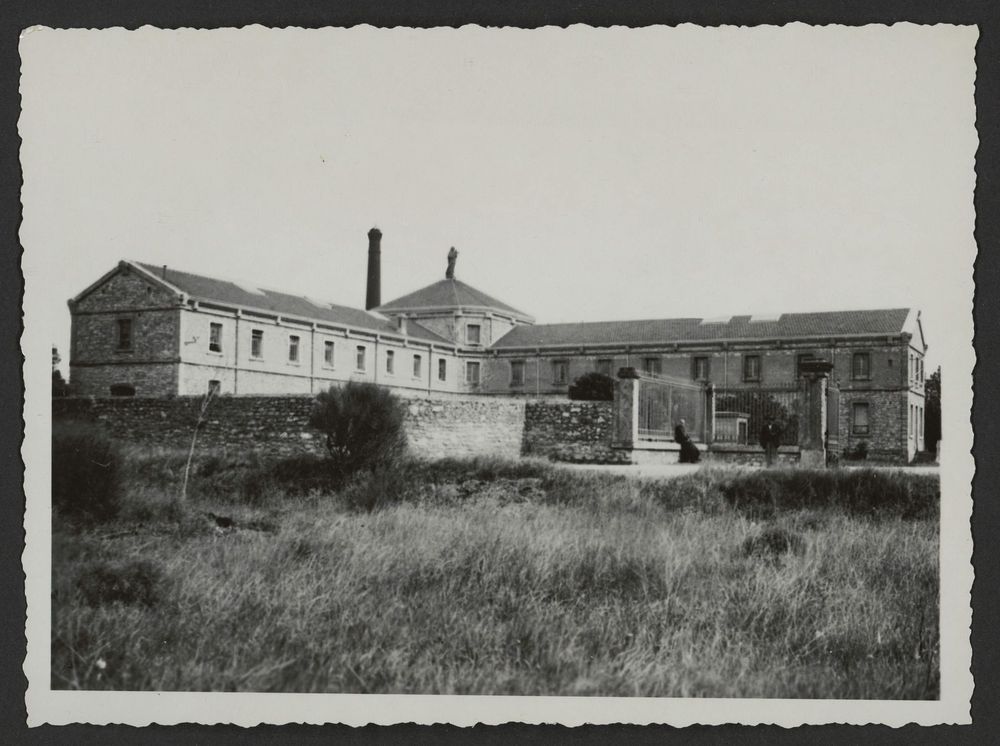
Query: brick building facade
[[148, 331]]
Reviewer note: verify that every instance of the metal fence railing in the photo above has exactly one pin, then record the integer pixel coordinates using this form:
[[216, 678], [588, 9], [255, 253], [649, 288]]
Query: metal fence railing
[[744, 411], [664, 402]]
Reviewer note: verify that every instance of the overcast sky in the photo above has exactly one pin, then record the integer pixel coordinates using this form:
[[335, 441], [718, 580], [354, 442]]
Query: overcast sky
[[582, 174]]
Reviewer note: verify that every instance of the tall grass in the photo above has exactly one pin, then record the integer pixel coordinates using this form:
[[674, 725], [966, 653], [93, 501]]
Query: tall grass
[[503, 578]]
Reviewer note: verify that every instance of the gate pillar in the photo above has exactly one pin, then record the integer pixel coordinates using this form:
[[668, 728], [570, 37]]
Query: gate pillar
[[812, 424], [626, 409]]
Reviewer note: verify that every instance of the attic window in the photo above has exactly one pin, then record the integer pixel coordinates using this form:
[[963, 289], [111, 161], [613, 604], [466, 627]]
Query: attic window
[[473, 334], [717, 320], [759, 317]]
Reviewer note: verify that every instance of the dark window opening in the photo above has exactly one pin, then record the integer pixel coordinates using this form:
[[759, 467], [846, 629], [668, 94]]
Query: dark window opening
[[859, 418], [122, 389], [215, 337], [861, 366], [124, 334], [472, 373], [442, 370], [701, 369], [517, 373], [257, 343], [751, 368], [560, 372]]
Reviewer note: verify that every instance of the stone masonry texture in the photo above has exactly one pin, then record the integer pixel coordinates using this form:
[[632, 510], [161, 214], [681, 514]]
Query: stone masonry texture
[[435, 428]]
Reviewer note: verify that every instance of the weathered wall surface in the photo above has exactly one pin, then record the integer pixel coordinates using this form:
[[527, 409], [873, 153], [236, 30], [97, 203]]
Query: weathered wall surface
[[576, 431], [280, 424], [471, 427], [436, 428], [887, 423]]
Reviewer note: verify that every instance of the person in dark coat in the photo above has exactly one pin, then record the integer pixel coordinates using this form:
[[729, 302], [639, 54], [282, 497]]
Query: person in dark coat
[[770, 439], [689, 451]]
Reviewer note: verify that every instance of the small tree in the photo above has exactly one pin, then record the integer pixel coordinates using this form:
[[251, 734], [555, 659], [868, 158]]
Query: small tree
[[593, 387], [363, 425], [59, 385], [932, 413]]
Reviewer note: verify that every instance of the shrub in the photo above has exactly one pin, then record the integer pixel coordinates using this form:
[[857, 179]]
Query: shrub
[[137, 582], [86, 482], [363, 425], [379, 488], [865, 492], [592, 387]]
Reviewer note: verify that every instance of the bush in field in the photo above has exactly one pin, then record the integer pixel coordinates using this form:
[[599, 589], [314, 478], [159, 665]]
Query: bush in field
[[864, 492], [138, 582], [85, 472], [379, 488], [592, 387], [363, 425]]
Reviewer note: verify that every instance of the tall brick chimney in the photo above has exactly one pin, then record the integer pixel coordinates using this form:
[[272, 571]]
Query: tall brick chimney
[[374, 297]]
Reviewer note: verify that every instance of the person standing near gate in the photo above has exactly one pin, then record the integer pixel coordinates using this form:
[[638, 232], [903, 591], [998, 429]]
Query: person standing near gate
[[770, 439]]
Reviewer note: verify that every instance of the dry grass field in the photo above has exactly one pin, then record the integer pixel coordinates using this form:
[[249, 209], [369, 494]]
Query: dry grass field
[[501, 578]]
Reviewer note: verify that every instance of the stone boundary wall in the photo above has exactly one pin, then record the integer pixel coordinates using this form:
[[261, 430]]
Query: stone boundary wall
[[435, 428], [280, 424], [464, 428], [574, 431]]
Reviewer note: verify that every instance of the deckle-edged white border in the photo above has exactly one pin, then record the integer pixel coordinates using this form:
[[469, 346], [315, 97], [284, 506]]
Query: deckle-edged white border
[[247, 709]]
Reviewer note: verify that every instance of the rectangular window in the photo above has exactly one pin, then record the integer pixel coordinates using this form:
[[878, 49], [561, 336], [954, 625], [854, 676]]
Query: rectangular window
[[360, 360], [560, 372], [257, 343], [605, 367], [652, 365], [215, 337], [328, 350], [390, 362], [293, 348], [859, 418], [472, 373], [124, 334], [861, 366], [800, 359], [473, 334], [751, 367], [442, 370], [214, 386], [517, 373], [700, 369], [418, 363]]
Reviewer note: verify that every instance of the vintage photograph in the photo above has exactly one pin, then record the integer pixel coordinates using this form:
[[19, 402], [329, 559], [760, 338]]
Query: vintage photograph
[[610, 374]]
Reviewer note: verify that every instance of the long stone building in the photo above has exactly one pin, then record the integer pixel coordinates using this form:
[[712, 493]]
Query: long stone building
[[153, 331]]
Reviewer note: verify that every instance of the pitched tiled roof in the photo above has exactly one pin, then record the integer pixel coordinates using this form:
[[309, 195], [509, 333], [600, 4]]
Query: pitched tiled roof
[[785, 326], [225, 292], [449, 293]]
